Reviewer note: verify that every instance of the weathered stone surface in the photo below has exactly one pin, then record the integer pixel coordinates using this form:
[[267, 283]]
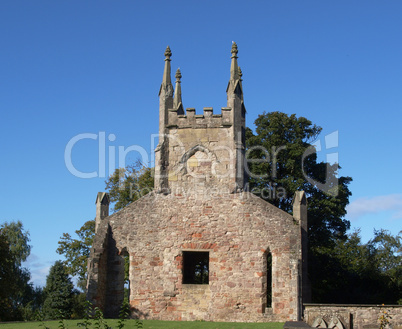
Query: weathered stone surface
[[237, 231], [199, 205], [353, 316]]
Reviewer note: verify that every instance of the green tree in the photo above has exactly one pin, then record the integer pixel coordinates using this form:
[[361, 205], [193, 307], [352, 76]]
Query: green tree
[[128, 184], [7, 282], [366, 273], [76, 251], [18, 241], [59, 292], [15, 288], [387, 250], [33, 302], [349, 275], [281, 161]]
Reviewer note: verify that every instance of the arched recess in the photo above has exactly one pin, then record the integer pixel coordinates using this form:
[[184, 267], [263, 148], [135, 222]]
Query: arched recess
[[127, 287], [197, 148], [194, 150], [267, 279], [114, 279]]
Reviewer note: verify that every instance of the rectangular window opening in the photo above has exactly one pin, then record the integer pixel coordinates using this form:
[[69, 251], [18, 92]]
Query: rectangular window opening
[[195, 267]]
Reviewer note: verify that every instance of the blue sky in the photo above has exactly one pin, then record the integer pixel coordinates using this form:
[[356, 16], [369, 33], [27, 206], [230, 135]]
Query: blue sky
[[95, 67]]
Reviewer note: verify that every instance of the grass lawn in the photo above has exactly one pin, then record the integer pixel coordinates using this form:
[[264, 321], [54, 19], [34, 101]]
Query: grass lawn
[[148, 324]]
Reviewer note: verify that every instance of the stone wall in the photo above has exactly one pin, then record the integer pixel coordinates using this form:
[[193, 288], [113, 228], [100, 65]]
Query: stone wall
[[201, 159], [237, 230], [199, 205], [351, 316]]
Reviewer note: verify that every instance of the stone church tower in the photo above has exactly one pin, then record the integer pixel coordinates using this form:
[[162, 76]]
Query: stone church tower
[[200, 247], [200, 151]]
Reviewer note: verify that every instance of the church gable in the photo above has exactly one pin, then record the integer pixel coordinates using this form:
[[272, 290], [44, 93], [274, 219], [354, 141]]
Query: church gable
[[200, 247]]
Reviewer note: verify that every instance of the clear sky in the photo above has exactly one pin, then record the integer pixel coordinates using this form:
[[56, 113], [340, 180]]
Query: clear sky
[[95, 67]]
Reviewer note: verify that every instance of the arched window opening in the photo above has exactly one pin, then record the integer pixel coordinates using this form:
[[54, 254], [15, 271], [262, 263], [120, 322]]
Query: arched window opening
[[124, 253], [269, 278], [267, 281]]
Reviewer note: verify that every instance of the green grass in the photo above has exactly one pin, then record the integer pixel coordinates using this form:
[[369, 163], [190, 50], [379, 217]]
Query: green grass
[[149, 324]]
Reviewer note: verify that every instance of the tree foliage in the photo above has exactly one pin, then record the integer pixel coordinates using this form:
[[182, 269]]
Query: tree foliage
[[280, 159], [59, 292], [7, 282], [32, 302], [367, 273], [15, 290], [76, 251], [387, 255], [128, 184], [18, 241]]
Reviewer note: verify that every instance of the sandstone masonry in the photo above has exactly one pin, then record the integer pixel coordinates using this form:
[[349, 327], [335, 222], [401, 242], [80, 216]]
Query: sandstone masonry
[[200, 246], [351, 316]]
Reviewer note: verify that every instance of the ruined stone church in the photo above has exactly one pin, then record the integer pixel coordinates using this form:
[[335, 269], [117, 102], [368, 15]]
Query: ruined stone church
[[200, 246]]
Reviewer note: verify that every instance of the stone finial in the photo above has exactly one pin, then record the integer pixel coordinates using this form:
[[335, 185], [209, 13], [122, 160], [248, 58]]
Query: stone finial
[[178, 75], [168, 54], [234, 50], [166, 86], [234, 69], [177, 102], [240, 74]]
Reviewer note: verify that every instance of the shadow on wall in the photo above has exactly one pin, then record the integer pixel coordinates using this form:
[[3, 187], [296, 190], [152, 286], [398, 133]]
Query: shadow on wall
[[137, 314]]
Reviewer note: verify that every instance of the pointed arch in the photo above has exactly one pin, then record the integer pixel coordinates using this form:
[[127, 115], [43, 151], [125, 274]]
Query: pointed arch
[[197, 148], [194, 150], [319, 322], [125, 255], [267, 282]]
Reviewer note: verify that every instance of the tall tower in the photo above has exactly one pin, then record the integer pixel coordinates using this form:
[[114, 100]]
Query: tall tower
[[204, 151]]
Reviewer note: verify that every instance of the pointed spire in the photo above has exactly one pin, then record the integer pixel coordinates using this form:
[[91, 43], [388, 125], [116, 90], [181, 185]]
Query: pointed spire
[[166, 72], [234, 69], [177, 103], [166, 81], [235, 81]]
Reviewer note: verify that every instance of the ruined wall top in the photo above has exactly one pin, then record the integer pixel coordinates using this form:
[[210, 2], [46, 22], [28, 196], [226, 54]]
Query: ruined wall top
[[206, 120]]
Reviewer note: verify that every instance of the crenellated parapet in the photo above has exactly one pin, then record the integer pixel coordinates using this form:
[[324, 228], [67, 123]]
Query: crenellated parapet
[[206, 120]]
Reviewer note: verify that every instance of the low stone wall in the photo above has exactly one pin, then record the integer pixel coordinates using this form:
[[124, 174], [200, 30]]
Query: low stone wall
[[350, 316]]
